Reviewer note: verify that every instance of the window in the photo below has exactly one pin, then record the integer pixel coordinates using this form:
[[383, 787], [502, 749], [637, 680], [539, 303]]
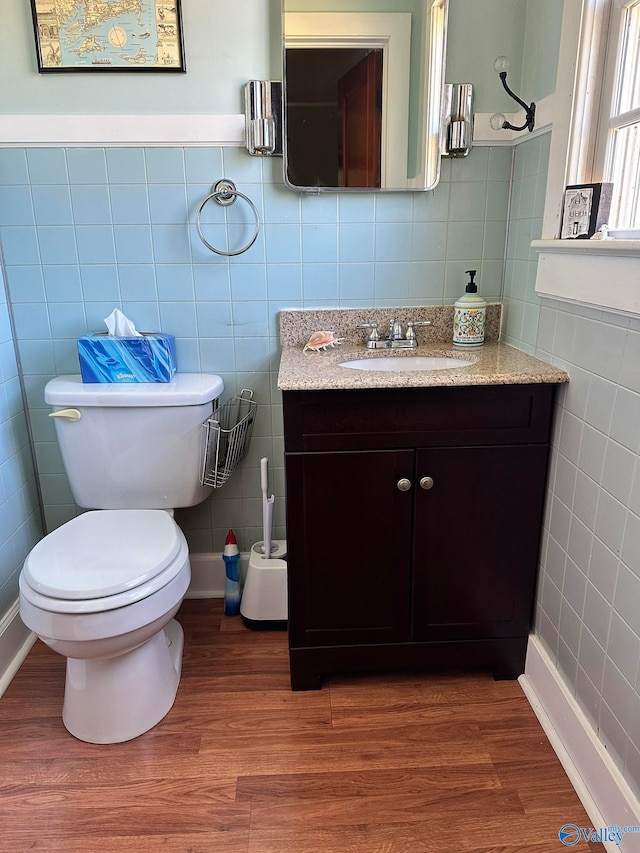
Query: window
[[597, 273], [622, 105]]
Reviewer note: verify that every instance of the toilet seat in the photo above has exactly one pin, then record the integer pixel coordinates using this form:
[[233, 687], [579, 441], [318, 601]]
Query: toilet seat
[[102, 560]]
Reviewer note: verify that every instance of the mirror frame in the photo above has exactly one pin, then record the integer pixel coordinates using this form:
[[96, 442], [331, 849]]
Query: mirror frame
[[434, 35]]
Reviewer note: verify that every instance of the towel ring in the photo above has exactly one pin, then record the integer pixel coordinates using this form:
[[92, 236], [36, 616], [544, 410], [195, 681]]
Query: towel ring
[[225, 193]]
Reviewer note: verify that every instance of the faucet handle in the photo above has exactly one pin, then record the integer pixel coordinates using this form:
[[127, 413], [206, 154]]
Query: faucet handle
[[411, 335], [374, 335]]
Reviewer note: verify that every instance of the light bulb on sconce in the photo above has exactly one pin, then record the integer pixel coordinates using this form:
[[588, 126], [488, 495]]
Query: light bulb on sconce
[[498, 121]]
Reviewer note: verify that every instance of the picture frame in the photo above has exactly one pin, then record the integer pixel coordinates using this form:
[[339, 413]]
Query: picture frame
[[585, 209], [128, 36]]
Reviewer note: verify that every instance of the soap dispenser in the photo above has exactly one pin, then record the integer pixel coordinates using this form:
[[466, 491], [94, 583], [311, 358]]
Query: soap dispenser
[[468, 316]]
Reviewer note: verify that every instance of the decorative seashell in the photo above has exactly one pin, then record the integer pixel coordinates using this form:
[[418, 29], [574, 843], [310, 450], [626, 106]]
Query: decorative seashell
[[321, 340]]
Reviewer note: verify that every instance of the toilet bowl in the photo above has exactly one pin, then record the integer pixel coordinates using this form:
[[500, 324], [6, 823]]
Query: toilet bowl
[[102, 590]]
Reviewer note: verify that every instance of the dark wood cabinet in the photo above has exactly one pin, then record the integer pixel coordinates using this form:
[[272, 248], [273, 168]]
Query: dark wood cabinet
[[413, 525], [353, 547]]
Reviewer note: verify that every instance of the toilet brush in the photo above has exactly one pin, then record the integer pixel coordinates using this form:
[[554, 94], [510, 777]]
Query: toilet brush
[[264, 597], [267, 508]]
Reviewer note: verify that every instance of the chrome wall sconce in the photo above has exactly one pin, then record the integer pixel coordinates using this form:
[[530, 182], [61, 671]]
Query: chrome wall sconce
[[457, 124], [263, 117], [498, 121]]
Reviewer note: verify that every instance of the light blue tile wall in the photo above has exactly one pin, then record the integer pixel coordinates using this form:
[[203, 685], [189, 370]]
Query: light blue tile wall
[[521, 303], [588, 598], [20, 521], [85, 230], [588, 611]]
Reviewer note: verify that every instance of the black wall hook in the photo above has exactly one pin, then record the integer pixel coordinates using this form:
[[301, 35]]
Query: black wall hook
[[530, 109]]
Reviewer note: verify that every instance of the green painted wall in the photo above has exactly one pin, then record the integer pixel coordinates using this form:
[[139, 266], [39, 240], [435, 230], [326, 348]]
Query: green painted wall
[[479, 31], [541, 48], [227, 44]]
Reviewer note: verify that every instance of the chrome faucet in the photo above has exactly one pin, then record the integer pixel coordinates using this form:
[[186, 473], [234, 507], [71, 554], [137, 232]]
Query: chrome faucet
[[395, 331], [395, 337]]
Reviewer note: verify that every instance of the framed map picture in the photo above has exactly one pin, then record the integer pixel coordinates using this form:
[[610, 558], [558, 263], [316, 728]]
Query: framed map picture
[[108, 35]]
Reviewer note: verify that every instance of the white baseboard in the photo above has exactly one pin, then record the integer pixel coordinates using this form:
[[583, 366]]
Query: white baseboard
[[604, 793], [208, 574], [15, 641]]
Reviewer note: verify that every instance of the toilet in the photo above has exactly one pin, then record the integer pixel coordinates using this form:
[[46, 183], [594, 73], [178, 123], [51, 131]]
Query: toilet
[[103, 589]]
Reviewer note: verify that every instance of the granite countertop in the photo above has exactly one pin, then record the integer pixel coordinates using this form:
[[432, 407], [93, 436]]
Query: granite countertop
[[494, 363]]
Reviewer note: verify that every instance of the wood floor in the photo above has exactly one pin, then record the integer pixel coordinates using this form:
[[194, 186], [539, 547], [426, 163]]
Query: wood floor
[[406, 763]]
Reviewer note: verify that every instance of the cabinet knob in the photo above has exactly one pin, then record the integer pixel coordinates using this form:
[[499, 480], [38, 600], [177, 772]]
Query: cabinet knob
[[404, 485], [426, 483]]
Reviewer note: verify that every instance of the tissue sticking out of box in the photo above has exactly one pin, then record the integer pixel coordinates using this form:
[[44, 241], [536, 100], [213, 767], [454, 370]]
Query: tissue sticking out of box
[[120, 326]]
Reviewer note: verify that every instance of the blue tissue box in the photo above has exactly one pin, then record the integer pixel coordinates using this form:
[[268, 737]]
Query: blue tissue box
[[106, 358]]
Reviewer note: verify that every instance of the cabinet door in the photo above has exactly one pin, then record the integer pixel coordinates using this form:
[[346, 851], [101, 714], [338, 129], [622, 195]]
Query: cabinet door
[[476, 541], [349, 547]]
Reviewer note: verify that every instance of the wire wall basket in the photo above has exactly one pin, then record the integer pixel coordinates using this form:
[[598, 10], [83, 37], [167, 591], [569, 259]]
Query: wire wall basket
[[226, 437]]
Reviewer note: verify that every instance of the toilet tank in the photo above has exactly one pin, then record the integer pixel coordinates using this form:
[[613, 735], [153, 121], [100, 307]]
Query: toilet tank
[[134, 446]]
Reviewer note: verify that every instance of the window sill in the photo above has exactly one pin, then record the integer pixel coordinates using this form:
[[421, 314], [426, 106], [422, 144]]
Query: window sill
[[624, 248], [598, 273]]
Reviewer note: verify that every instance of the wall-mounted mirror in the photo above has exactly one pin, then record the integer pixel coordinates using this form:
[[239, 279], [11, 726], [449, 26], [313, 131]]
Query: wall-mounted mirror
[[362, 93]]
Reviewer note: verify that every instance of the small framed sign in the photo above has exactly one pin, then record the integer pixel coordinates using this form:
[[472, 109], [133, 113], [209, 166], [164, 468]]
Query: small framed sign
[[125, 35], [585, 210]]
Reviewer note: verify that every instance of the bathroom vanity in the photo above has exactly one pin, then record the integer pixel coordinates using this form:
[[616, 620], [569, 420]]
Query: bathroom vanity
[[414, 512]]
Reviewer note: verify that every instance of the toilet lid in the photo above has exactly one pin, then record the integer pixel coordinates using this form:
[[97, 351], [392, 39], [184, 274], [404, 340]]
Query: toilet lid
[[102, 553]]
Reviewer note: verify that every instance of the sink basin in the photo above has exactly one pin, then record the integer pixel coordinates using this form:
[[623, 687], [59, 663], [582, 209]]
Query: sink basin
[[410, 362]]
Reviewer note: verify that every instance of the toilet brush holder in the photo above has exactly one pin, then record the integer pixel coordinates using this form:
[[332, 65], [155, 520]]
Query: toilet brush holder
[[264, 596]]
